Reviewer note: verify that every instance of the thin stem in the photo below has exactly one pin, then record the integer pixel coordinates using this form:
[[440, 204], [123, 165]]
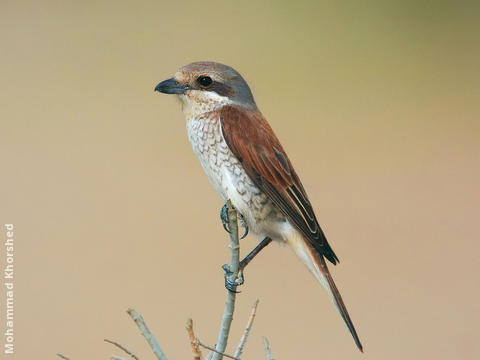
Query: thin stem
[[268, 350], [232, 276], [244, 338], [197, 354], [157, 350], [124, 349], [216, 351]]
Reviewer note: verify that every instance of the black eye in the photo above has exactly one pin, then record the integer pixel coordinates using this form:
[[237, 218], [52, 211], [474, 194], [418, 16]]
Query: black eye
[[205, 81]]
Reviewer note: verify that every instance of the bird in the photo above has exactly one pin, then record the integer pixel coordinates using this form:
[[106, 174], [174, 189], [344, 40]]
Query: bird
[[246, 164]]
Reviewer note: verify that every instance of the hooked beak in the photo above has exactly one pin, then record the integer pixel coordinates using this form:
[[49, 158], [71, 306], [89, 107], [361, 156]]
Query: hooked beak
[[171, 86]]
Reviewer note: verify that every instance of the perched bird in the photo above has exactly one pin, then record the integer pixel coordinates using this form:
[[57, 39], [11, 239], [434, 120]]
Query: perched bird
[[247, 165]]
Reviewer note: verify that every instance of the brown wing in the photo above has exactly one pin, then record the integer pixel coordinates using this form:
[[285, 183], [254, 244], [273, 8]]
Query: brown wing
[[252, 141]]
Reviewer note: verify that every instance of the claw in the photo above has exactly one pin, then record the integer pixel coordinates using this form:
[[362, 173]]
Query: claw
[[240, 279], [244, 224], [224, 217], [232, 285], [226, 228]]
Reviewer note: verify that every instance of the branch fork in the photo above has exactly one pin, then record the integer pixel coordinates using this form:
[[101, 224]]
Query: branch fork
[[233, 278]]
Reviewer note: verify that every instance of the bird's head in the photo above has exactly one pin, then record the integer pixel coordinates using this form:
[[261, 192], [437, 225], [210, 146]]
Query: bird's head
[[205, 86]]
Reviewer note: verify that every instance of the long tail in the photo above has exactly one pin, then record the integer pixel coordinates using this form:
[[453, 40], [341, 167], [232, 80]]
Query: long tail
[[318, 267]]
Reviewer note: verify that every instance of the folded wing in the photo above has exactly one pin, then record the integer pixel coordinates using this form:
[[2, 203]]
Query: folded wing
[[252, 141]]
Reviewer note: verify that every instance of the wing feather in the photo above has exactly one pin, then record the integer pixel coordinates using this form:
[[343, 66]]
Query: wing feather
[[252, 140]]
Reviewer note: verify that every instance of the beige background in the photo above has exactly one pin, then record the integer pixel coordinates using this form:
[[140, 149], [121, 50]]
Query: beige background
[[377, 104]]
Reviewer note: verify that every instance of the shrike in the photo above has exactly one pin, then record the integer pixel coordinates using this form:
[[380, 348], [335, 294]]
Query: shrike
[[247, 165]]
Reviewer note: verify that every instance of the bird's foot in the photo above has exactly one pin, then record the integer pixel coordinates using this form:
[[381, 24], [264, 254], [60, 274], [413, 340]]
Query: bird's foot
[[224, 218], [231, 285], [245, 226]]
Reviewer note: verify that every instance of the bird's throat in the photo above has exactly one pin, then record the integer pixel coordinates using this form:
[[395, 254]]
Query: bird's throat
[[196, 103]]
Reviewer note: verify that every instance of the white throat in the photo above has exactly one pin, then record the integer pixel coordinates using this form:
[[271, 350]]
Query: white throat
[[196, 102]]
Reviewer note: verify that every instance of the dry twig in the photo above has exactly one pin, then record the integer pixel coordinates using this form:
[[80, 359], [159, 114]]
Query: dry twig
[[244, 338], [124, 349], [216, 351], [233, 271], [197, 354], [268, 350], [157, 350]]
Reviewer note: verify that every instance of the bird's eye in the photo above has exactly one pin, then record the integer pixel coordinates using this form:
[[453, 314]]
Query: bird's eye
[[205, 81]]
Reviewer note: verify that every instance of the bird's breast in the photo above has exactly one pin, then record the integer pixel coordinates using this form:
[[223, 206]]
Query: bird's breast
[[211, 149], [226, 173]]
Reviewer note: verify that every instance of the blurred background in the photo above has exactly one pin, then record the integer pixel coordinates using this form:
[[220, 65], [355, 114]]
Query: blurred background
[[377, 104]]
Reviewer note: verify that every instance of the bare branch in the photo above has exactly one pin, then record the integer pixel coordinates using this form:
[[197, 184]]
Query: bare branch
[[157, 350], [268, 350], [197, 353], [115, 357], [244, 338], [63, 357], [232, 276], [122, 348], [216, 351]]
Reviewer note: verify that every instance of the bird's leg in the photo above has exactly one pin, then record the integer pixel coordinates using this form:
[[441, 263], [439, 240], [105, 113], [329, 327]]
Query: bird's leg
[[246, 260], [224, 218], [231, 285]]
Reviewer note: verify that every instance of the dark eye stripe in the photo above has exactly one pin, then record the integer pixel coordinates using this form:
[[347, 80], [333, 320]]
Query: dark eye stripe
[[222, 89], [206, 83]]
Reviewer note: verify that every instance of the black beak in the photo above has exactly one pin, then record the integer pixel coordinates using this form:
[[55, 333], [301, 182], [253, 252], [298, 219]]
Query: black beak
[[171, 86]]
